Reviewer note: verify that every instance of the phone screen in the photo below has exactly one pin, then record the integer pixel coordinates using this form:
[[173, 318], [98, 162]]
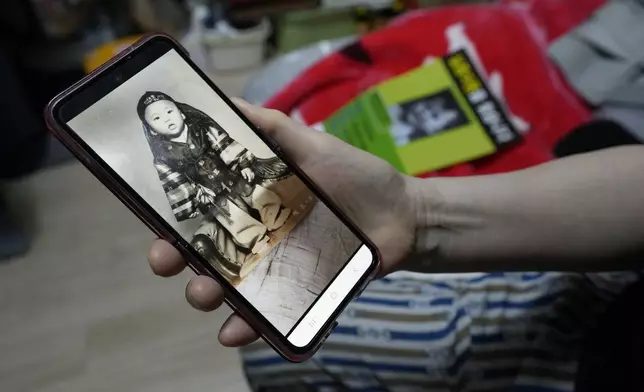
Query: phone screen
[[194, 161]]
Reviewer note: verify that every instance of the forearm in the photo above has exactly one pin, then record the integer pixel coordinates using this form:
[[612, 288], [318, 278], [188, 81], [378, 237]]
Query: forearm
[[580, 213]]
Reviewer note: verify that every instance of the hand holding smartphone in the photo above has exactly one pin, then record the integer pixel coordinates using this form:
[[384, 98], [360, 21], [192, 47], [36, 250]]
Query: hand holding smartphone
[[163, 138]]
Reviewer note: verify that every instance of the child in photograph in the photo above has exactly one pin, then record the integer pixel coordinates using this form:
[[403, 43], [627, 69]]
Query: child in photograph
[[205, 172]]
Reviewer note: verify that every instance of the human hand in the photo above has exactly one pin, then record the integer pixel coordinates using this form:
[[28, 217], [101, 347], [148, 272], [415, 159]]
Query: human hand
[[248, 174], [203, 196], [369, 190]]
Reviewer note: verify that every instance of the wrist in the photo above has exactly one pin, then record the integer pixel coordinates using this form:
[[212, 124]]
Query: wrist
[[445, 216], [428, 204]]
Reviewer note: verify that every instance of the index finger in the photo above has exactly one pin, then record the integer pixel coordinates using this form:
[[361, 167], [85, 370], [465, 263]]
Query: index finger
[[165, 260], [295, 139]]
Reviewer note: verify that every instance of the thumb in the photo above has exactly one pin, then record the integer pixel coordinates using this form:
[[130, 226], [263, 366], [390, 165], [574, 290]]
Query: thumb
[[296, 140]]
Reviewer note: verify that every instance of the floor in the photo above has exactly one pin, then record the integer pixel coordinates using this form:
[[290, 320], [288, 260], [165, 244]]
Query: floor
[[82, 311]]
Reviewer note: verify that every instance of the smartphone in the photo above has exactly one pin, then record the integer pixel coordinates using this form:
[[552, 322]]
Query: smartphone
[[159, 134]]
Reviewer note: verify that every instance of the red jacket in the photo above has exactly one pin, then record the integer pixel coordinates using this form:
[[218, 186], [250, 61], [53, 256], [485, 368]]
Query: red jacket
[[510, 38]]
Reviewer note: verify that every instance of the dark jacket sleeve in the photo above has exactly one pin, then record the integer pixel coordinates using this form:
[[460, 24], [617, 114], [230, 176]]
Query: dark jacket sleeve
[[181, 193]]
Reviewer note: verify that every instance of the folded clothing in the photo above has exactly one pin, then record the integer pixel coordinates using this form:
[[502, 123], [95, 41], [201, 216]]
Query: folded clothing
[[602, 58], [505, 41]]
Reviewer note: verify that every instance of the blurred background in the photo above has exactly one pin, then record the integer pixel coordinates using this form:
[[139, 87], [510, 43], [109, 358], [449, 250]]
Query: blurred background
[[79, 308]]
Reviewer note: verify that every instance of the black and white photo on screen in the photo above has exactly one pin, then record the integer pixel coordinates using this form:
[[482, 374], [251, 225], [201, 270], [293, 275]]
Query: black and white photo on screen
[[169, 136]]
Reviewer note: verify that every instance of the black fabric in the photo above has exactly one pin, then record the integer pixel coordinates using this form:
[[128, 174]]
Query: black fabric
[[593, 136], [23, 138], [357, 52], [613, 354]]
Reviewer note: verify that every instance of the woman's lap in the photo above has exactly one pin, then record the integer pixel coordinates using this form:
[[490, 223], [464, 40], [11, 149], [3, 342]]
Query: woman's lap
[[519, 332]]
